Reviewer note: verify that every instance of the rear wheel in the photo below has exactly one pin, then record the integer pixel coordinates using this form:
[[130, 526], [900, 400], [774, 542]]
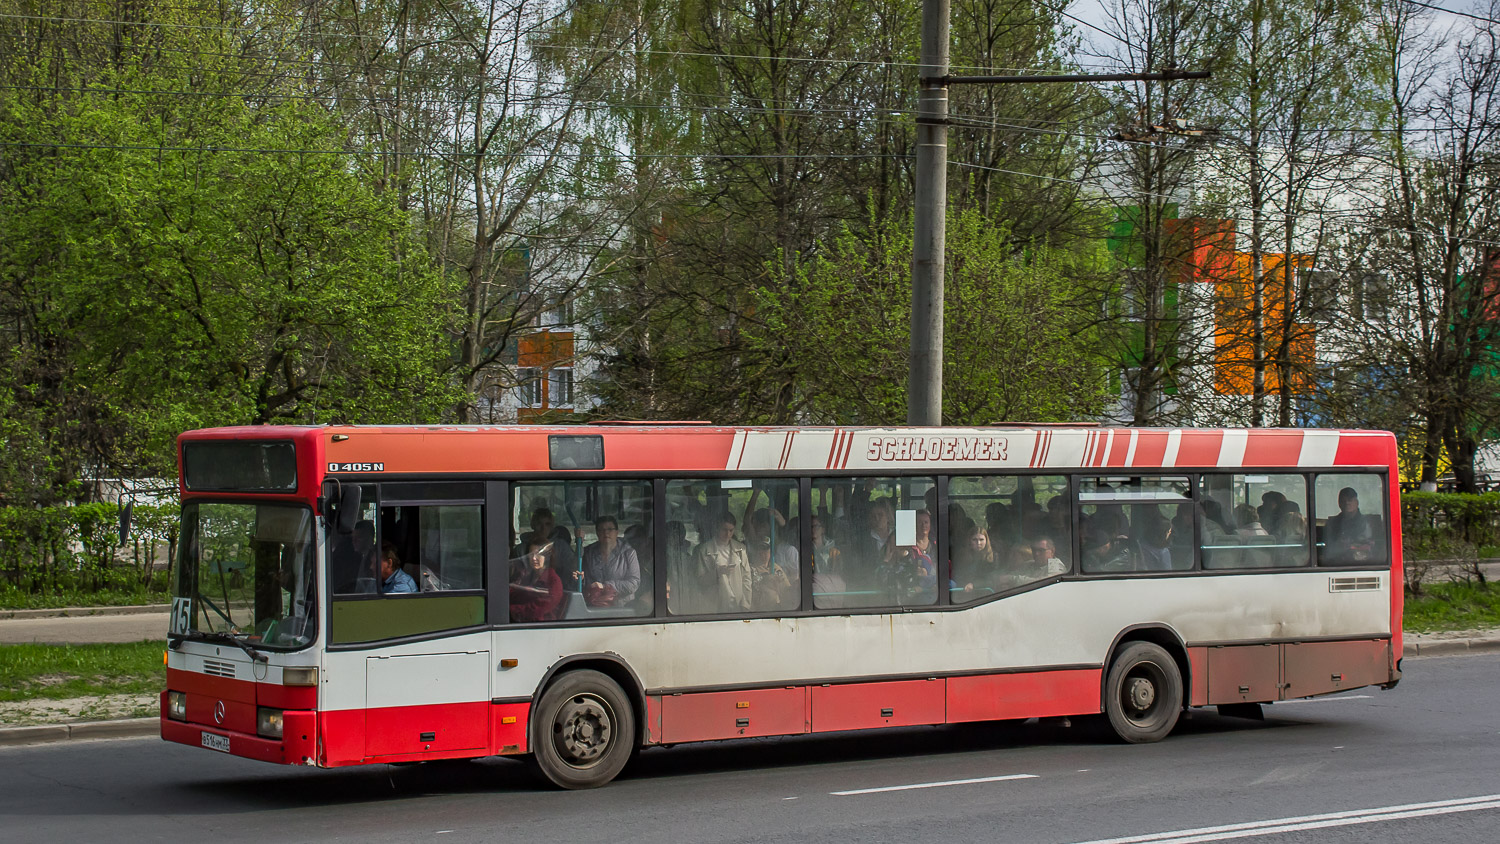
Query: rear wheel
[[1143, 693], [583, 730]]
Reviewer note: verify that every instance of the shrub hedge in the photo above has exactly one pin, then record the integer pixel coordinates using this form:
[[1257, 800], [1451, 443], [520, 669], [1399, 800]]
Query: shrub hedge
[[49, 553]]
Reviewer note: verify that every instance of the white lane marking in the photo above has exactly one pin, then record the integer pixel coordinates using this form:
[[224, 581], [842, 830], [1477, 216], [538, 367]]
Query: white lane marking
[[1306, 822], [788, 798], [932, 784], [1325, 699]]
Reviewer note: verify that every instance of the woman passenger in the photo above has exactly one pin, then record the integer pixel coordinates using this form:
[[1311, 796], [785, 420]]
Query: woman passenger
[[974, 563], [536, 591]]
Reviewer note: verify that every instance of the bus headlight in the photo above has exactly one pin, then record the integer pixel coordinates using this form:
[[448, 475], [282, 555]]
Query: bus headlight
[[299, 676], [268, 722], [177, 706]]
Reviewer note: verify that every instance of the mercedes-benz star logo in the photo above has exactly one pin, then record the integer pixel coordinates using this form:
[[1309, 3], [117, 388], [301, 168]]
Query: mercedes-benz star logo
[[219, 712]]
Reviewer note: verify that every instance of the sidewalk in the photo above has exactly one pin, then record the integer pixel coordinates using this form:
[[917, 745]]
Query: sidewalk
[[1450, 642], [83, 626]]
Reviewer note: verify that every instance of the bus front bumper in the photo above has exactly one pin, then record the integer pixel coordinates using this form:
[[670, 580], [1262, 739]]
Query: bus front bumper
[[298, 744]]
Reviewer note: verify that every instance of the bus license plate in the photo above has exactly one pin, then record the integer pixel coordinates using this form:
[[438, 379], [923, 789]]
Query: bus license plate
[[213, 742]]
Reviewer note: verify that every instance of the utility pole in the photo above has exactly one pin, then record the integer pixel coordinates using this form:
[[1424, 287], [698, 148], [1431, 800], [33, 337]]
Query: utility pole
[[924, 391], [924, 385]]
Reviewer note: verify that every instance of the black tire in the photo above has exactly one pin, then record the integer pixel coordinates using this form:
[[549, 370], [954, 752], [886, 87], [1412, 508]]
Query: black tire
[[1143, 693], [582, 731]]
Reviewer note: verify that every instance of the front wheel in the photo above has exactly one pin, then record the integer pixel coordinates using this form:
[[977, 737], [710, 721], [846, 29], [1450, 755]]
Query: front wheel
[[1143, 693], [583, 731]]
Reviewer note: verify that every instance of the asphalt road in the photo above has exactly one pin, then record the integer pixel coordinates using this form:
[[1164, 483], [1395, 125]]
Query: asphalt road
[[1331, 770]]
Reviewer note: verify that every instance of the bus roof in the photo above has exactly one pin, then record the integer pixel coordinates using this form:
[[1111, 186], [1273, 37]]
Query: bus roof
[[677, 447]]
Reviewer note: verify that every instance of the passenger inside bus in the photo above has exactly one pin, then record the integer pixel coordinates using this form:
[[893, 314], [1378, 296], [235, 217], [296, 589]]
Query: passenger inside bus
[[771, 588], [354, 561], [393, 579], [1104, 550], [827, 581], [1044, 559], [536, 592], [716, 577], [611, 571], [1349, 536], [976, 571], [544, 527]]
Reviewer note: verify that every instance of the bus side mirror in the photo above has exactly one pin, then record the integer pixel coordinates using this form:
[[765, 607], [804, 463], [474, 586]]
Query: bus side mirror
[[348, 511]]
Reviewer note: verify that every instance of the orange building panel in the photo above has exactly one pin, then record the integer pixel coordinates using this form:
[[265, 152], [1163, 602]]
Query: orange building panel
[[1234, 328], [544, 349]]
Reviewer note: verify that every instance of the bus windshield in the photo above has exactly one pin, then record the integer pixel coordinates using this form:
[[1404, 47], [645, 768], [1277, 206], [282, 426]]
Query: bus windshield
[[246, 571]]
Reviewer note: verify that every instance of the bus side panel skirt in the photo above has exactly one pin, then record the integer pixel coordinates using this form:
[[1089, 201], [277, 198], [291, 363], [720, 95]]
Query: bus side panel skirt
[[996, 697], [508, 728], [1315, 668], [1198, 663], [741, 714], [859, 706], [653, 719], [342, 737]]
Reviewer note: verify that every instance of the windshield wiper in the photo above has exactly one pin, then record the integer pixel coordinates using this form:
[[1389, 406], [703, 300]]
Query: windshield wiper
[[230, 638]]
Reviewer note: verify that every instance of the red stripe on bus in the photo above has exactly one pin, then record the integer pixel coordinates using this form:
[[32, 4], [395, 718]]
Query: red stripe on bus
[[1120, 448], [1036, 448], [833, 450], [1357, 450], [1150, 448], [1272, 448], [1101, 448], [1199, 448]]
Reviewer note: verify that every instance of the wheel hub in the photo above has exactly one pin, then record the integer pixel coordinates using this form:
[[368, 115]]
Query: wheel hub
[[1142, 693], [583, 730]]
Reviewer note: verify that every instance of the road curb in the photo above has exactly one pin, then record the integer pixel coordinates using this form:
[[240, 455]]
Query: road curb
[[1449, 647], [49, 733], [83, 612]]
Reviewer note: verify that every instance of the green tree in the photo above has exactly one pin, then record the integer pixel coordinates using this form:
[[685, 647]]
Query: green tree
[[1014, 346], [179, 253]]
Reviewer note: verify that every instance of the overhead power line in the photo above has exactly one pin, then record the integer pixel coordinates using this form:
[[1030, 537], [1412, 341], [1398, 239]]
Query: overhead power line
[[527, 46], [1445, 10]]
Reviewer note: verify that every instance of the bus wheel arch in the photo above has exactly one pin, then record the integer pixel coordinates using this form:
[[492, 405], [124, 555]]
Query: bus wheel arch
[[1133, 659]]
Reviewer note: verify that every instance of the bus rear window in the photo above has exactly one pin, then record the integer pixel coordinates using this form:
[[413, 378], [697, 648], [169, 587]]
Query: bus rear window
[[239, 466]]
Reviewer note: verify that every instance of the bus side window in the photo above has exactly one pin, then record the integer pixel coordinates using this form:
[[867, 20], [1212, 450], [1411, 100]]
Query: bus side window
[[867, 521], [1351, 520], [1129, 521], [1253, 521], [598, 540], [1020, 531], [732, 546]]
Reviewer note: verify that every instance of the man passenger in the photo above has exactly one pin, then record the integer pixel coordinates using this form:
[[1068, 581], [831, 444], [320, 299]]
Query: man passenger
[[393, 579]]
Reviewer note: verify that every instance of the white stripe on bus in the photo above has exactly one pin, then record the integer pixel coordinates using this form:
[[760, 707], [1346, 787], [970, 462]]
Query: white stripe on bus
[[1232, 447], [1174, 442]]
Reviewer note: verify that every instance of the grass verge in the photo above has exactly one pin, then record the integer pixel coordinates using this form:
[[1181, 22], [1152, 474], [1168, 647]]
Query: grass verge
[[12, 598], [57, 672], [1453, 606]]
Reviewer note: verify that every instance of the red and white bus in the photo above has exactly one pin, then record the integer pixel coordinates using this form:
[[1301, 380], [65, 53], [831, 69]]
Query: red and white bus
[[349, 595]]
